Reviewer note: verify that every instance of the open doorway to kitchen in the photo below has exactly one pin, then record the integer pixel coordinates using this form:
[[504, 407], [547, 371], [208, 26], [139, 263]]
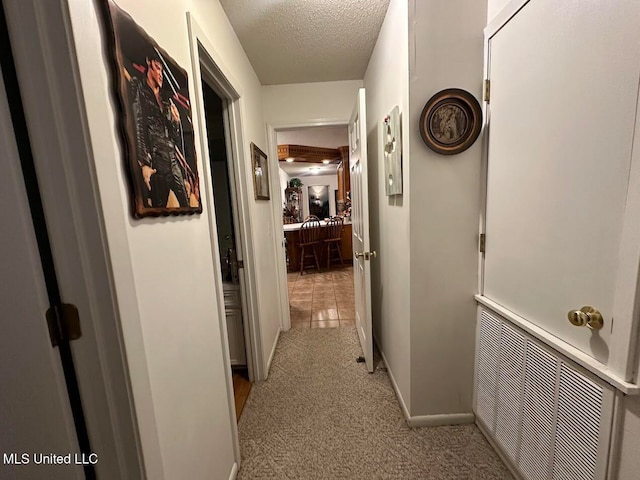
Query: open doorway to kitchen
[[314, 182]]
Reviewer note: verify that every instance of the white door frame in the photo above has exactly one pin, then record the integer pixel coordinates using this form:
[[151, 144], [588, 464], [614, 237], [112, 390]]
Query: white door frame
[[208, 64], [47, 64], [623, 365], [272, 145], [233, 144]]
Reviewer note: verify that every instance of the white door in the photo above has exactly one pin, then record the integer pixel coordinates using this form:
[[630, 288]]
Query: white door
[[35, 416], [564, 89], [360, 227]]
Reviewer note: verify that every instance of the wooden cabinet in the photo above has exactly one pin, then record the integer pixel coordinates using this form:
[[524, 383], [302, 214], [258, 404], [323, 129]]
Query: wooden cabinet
[[347, 245]]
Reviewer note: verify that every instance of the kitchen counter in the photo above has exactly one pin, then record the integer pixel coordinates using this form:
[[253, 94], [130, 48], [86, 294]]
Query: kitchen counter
[[290, 227], [291, 233]]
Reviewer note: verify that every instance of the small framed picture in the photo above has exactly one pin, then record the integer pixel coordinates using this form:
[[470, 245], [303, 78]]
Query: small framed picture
[[260, 168], [451, 121]]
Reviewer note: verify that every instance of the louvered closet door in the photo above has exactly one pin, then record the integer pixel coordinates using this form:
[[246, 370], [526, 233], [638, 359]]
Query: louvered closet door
[[538, 412], [509, 394], [551, 420]]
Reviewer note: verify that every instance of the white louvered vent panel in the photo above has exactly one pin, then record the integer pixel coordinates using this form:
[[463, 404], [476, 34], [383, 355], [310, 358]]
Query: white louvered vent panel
[[551, 419], [579, 416], [536, 444], [510, 378], [487, 369]]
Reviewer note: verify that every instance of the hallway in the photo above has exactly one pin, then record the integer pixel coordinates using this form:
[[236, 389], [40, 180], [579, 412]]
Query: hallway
[[319, 415]]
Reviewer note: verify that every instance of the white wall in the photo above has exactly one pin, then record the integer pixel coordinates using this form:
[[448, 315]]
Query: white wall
[[387, 84], [284, 180], [494, 7], [446, 50], [628, 460], [176, 363], [321, 180], [308, 103]]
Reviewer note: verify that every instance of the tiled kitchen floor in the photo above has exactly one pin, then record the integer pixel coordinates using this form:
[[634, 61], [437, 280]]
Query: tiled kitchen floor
[[322, 300]]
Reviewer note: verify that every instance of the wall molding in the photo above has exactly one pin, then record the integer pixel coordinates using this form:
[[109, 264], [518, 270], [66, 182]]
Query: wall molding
[[424, 420], [441, 419], [273, 352], [234, 471], [394, 384]]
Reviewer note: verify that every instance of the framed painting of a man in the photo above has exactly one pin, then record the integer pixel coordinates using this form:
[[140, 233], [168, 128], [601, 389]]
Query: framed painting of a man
[[152, 93]]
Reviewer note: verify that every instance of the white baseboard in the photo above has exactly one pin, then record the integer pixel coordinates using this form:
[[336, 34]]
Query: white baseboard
[[425, 420], [439, 420], [273, 351], [403, 406], [234, 471]]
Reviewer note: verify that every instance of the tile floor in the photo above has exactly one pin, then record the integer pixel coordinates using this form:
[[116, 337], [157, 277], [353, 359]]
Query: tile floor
[[322, 300]]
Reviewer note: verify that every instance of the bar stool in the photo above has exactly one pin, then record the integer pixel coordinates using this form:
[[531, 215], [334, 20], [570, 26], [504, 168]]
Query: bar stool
[[335, 225], [310, 231]]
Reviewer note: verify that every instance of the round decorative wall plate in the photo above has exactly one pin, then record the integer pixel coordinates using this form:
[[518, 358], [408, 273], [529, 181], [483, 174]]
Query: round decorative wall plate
[[451, 121]]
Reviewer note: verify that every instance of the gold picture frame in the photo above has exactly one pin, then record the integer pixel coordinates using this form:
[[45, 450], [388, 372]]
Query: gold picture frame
[[260, 173]]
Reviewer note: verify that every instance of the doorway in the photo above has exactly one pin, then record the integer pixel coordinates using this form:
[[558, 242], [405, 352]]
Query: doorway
[[228, 248], [314, 181]]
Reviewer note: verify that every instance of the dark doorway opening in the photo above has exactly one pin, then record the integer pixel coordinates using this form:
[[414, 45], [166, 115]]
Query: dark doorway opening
[[223, 193]]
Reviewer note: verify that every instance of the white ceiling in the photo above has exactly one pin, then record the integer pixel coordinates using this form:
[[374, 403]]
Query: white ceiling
[[326, 137], [301, 41]]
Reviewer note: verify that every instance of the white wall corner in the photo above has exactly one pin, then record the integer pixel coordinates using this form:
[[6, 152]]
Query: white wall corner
[[273, 352]]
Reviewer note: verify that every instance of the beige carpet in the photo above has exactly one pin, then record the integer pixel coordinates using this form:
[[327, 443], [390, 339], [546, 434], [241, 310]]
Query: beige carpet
[[321, 416]]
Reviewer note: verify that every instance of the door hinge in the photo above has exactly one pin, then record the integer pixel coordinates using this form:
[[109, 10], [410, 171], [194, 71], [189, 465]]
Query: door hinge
[[487, 90], [64, 323], [483, 242]]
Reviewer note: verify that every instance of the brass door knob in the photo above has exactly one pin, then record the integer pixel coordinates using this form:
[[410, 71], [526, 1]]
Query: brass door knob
[[366, 255], [586, 316]]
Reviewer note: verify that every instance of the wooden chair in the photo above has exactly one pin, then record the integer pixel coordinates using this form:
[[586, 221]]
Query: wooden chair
[[335, 225], [309, 238]]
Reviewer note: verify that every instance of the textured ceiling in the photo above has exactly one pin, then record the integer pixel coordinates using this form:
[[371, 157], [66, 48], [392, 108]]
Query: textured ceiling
[[301, 41]]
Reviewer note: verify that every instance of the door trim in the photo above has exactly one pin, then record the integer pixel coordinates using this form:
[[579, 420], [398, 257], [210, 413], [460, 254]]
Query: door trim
[[207, 63], [11, 90], [47, 64], [624, 360]]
